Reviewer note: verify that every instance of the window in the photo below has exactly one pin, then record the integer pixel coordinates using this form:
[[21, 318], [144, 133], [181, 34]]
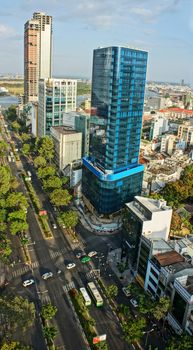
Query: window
[[152, 282], [154, 273]]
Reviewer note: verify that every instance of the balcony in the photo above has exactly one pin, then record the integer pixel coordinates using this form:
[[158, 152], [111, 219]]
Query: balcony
[[181, 285]]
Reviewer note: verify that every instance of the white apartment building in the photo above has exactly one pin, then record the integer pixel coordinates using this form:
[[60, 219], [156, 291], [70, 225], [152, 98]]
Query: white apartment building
[[144, 217], [68, 146], [185, 133], [158, 127], [167, 144], [56, 97]]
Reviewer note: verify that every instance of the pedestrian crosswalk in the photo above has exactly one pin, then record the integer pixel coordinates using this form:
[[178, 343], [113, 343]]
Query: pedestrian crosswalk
[[57, 253], [35, 264], [92, 274], [69, 286], [20, 271], [45, 299]]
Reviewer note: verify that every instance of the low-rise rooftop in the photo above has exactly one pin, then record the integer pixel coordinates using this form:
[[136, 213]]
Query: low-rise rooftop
[[64, 130], [169, 258]]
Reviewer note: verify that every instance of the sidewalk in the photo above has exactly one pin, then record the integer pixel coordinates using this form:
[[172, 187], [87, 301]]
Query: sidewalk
[[114, 259], [97, 225]]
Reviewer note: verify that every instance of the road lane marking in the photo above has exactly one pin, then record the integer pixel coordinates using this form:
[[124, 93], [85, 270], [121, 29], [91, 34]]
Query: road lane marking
[[20, 271], [69, 286]]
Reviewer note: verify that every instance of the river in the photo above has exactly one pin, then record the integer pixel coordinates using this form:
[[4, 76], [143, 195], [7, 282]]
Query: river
[[6, 101]]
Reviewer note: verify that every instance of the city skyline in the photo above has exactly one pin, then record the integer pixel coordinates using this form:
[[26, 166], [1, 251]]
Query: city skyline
[[143, 24]]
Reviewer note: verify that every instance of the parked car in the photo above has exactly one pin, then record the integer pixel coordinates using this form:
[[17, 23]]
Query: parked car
[[126, 291], [134, 302], [91, 254], [85, 259], [47, 275], [27, 283], [70, 266]]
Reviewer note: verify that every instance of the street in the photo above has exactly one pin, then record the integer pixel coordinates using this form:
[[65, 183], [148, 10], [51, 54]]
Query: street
[[54, 254]]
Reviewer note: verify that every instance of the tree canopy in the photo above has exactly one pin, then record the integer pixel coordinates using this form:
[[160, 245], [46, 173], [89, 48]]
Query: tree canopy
[[68, 218], [46, 147], [46, 172], [18, 313], [40, 161], [60, 197], [52, 182], [17, 200], [26, 149], [179, 191], [5, 177], [48, 311]]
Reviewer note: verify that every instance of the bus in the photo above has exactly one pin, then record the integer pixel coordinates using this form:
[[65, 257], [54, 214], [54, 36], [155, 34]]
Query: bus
[[86, 297], [29, 173], [95, 294]]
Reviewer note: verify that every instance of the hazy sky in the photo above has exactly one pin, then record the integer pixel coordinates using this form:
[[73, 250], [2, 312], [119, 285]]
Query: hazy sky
[[163, 27]]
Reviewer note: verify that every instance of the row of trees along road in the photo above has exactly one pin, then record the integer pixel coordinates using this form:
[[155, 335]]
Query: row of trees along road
[[52, 183], [13, 207], [17, 316]]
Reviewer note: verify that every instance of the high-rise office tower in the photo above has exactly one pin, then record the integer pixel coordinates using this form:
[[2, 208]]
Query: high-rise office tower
[[56, 97], [37, 53], [112, 175]]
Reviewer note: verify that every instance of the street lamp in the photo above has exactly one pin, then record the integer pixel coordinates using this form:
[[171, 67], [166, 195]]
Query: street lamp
[[151, 330]]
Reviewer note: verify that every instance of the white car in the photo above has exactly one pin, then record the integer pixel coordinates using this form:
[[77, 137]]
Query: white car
[[54, 225], [27, 283], [91, 254], [70, 266], [47, 275], [134, 302], [126, 291]]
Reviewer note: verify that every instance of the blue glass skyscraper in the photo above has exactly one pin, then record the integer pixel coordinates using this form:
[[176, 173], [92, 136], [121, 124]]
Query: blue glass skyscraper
[[111, 173]]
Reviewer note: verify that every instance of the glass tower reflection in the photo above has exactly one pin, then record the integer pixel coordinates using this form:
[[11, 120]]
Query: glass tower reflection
[[111, 174]]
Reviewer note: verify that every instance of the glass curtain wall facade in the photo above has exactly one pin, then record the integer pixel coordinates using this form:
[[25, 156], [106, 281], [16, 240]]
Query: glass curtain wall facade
[[118, 87], [56, 97]]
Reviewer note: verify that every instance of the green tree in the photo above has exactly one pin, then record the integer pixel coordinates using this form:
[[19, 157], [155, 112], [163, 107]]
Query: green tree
[[50, 333], [52, 182], [68, 218], [46, 172], [5, 248], [5, 177], [112, 291], [25, 137], [17, 312], [26, 149], [3, 148], [183, 342], [16, 200], [14, 346], [18, 226], [17, 215], [60, 197], [146, 304], [3, 215], [162, 308], [13, 183], [3, 226], [15, 125], [46, 148], [11, 113], [48, 311], [133, 329], [40, 162]]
